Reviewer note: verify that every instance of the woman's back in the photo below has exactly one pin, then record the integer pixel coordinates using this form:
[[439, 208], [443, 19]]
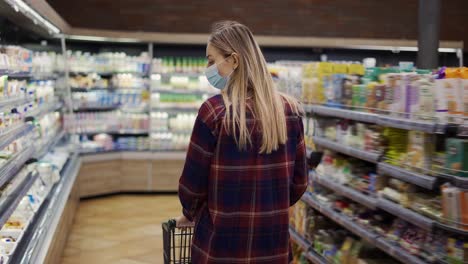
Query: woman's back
[[240, 199]]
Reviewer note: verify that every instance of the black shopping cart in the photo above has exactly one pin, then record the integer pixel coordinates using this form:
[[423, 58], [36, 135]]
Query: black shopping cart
[[177, 243]]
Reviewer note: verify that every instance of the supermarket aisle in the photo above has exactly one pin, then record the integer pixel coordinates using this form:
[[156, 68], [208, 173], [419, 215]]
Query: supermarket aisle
[[124, 229]]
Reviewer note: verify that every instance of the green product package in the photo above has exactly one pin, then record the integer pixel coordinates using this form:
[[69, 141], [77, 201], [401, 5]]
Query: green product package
[[456, 161]]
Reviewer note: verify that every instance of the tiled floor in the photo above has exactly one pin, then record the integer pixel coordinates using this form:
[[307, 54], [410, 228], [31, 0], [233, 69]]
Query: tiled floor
[[124, 229]]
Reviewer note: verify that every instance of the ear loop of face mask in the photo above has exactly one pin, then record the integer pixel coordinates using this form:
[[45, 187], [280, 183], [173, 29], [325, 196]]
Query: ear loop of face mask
[[215, 78]]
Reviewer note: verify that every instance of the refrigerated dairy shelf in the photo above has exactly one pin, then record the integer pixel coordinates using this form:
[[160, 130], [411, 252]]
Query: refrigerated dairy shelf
[[306, 246], [96, 108], [12, 167], [17, 75], [405, 214], [108, 74], [50, 144], [393, 250], [45, 109], [11, 202], [14, 133], [353, 152], [424, 181], [36, 242], [348, 192], [184, 91], [13, 102], [115, 132]]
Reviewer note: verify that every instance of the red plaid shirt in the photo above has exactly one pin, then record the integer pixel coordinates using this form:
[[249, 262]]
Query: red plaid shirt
[[240, 199]]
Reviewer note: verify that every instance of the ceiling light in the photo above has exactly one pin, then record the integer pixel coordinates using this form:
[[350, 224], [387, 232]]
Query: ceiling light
[[102, 39]]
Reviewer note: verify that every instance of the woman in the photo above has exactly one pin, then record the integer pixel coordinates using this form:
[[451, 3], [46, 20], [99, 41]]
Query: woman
[[246, 163]]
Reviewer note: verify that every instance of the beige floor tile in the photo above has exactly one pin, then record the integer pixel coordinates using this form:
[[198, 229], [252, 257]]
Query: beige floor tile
[[124, 229]]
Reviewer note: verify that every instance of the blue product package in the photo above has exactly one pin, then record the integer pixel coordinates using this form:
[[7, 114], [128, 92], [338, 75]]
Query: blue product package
[[337, 89]]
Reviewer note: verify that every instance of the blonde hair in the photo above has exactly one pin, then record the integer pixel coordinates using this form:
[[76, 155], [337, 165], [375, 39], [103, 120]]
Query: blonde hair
[[251, 78]]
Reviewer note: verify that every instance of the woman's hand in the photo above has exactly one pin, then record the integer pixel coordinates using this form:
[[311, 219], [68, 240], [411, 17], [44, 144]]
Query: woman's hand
[[182, 221]]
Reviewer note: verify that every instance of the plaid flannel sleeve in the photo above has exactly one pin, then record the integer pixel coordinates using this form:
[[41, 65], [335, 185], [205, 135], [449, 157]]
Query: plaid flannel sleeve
[[298, 184], [193, 183]]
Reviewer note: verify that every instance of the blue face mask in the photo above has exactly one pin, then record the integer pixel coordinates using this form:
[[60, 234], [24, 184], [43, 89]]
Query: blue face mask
[[214, 78]]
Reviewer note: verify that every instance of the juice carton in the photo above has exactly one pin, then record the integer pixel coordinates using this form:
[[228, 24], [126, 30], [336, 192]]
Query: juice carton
[[451, 90], [420, 98], [464, 209], [381, 104], [456, 161], [397, 83], [419, 150], [337, 87], [340, 68], [464, 84], [371, 103], [347, 90]]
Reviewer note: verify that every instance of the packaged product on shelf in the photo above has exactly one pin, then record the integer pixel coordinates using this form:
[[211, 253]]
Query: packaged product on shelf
[[456, 157], [313, 81], [347, 90], [420, 98], [397, 145], [18, 59], [449, 95], [420, 149], [451, 204], [464, 76], [45, 62]]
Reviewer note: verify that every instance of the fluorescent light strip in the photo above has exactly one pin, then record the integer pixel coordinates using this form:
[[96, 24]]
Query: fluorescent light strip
[[24, 8], [103, 39]]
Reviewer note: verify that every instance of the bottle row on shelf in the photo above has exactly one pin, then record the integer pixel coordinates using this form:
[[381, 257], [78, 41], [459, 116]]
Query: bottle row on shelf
[[92, 81], [106, 122], [103, 99], [179, 65], [108, 62], [172, 122], [154, 142]]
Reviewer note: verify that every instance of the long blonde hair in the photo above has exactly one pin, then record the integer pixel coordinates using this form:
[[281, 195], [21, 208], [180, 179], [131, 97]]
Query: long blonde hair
[[250, 78]]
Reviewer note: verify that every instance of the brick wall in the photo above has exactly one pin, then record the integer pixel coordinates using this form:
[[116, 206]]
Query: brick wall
[[328, 18]]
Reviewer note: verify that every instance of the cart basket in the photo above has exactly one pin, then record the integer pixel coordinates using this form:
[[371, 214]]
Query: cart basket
[[177, 243]]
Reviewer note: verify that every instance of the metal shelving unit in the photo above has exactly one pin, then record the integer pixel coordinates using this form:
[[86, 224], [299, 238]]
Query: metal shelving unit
[[14, 133], [353, 152], [397, 252], [9, 205], [306, 246], [421, 180], [375, 239], [11, 168], [340, 219], [405, 214], [407, 124], [348, 192], [14, 102], [50, 145], [36, 241], [342, 113]]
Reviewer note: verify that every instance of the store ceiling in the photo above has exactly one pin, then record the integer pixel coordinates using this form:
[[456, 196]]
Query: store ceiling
[[321, 18]]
